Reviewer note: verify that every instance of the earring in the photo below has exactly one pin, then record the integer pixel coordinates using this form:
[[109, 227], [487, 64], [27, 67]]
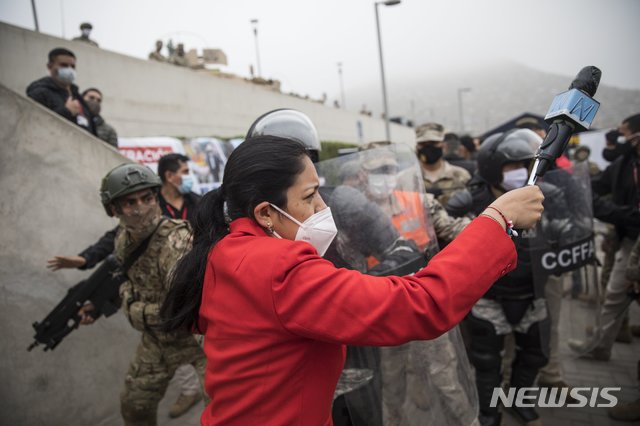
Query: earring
[[270, 227]]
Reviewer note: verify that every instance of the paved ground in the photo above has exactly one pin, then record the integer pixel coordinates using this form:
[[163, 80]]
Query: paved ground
[[620, 371]]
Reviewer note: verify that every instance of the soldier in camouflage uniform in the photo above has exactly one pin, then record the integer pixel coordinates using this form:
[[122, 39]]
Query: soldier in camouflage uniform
[[440, 177], [418, 374], [178, 57], [157, 55], [85, 32], [129, 192]]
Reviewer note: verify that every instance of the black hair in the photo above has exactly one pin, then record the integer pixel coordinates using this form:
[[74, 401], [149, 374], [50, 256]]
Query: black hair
[[91, 89], [612, 136], [633, 122], [260, 169], [170, 162], [467, 142], [59, 51]]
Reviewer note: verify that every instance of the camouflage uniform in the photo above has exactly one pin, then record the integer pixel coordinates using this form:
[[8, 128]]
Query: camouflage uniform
[[633, 264], [85, 40], [159, 354], [422, 379], [451, 179], [610, 246], [446, 227]]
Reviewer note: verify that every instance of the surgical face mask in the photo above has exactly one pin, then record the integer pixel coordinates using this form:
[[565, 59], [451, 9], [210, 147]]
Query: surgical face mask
[[319, 229], [67, 75], [381, 185], [186, 185], [514, 179], [429, 154], [85, 32]]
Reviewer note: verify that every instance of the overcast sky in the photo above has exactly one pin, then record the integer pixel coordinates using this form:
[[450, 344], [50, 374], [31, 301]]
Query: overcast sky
[[301, 41]]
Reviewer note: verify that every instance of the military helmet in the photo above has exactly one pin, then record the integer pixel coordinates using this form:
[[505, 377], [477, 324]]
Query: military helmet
[[86, 25], [289, 124], [502, 148], [126, 179]]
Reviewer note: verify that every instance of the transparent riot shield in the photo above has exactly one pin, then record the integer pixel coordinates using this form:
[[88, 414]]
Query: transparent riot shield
[[564, 259], [375, 194]]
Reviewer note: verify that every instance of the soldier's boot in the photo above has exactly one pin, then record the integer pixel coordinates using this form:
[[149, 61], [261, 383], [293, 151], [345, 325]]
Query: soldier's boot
[[525, 369], [629, 411], [582, 348], [183, 403], [624, 334], [138, 414]]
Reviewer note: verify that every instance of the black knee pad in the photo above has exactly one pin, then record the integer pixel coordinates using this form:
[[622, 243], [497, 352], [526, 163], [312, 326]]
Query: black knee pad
[[486, 345]]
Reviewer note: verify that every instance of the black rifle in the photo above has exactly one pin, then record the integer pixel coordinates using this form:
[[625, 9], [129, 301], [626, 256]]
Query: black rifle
[[101, 289]]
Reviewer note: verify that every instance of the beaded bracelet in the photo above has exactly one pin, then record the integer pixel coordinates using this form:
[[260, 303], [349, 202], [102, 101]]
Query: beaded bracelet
[[509, 223]]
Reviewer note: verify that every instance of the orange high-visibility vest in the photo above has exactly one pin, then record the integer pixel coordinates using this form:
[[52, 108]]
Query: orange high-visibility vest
[[411, 222]]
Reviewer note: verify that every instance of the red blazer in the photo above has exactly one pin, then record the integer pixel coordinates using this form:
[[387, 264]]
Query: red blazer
[[276, 317]]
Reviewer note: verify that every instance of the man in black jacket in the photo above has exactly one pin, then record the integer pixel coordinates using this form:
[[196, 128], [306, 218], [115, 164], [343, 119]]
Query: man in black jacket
[[58, 91], [622, 181]]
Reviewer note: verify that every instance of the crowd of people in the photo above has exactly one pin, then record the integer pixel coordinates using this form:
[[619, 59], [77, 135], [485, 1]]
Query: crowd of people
[[390, 262]]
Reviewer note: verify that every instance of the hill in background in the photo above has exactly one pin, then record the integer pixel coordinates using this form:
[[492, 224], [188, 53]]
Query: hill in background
[[497, 93]]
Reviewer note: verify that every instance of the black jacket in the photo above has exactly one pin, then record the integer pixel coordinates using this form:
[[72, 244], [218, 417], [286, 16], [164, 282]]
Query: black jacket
[[519, 283], [618, 181], [46, 92]]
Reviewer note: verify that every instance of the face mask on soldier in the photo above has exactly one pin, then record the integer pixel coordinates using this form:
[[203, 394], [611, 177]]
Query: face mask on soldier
[[381, 185], [429, 154], [141, 221]]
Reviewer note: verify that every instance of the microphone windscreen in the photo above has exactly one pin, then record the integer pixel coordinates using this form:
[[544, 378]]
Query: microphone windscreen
[[587, 80]]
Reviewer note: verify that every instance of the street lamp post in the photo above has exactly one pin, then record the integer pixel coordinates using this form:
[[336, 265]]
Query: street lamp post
[[461, 90], [35, 15], [254, 22], [384, 87], [344, 105]]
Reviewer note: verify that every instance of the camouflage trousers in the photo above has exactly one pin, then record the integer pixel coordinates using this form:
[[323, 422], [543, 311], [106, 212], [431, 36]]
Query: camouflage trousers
[[428, 382], [155, 362]]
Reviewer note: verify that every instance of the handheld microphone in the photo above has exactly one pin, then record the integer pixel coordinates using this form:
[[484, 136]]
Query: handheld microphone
[[570, 111]]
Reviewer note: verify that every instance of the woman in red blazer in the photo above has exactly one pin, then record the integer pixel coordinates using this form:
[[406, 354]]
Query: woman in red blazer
[[276, 316]]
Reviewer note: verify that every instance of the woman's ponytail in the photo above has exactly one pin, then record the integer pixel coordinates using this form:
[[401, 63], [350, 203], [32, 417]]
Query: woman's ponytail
[[182, 303]]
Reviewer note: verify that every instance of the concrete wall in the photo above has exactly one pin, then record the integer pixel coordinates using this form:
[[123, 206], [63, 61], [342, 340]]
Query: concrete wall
[[50, 172], [146, 98]]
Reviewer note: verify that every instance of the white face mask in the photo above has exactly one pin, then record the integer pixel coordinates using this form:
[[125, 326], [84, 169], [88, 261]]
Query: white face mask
[[319, 229], [382, 185], [67, 75], [514, 179]]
